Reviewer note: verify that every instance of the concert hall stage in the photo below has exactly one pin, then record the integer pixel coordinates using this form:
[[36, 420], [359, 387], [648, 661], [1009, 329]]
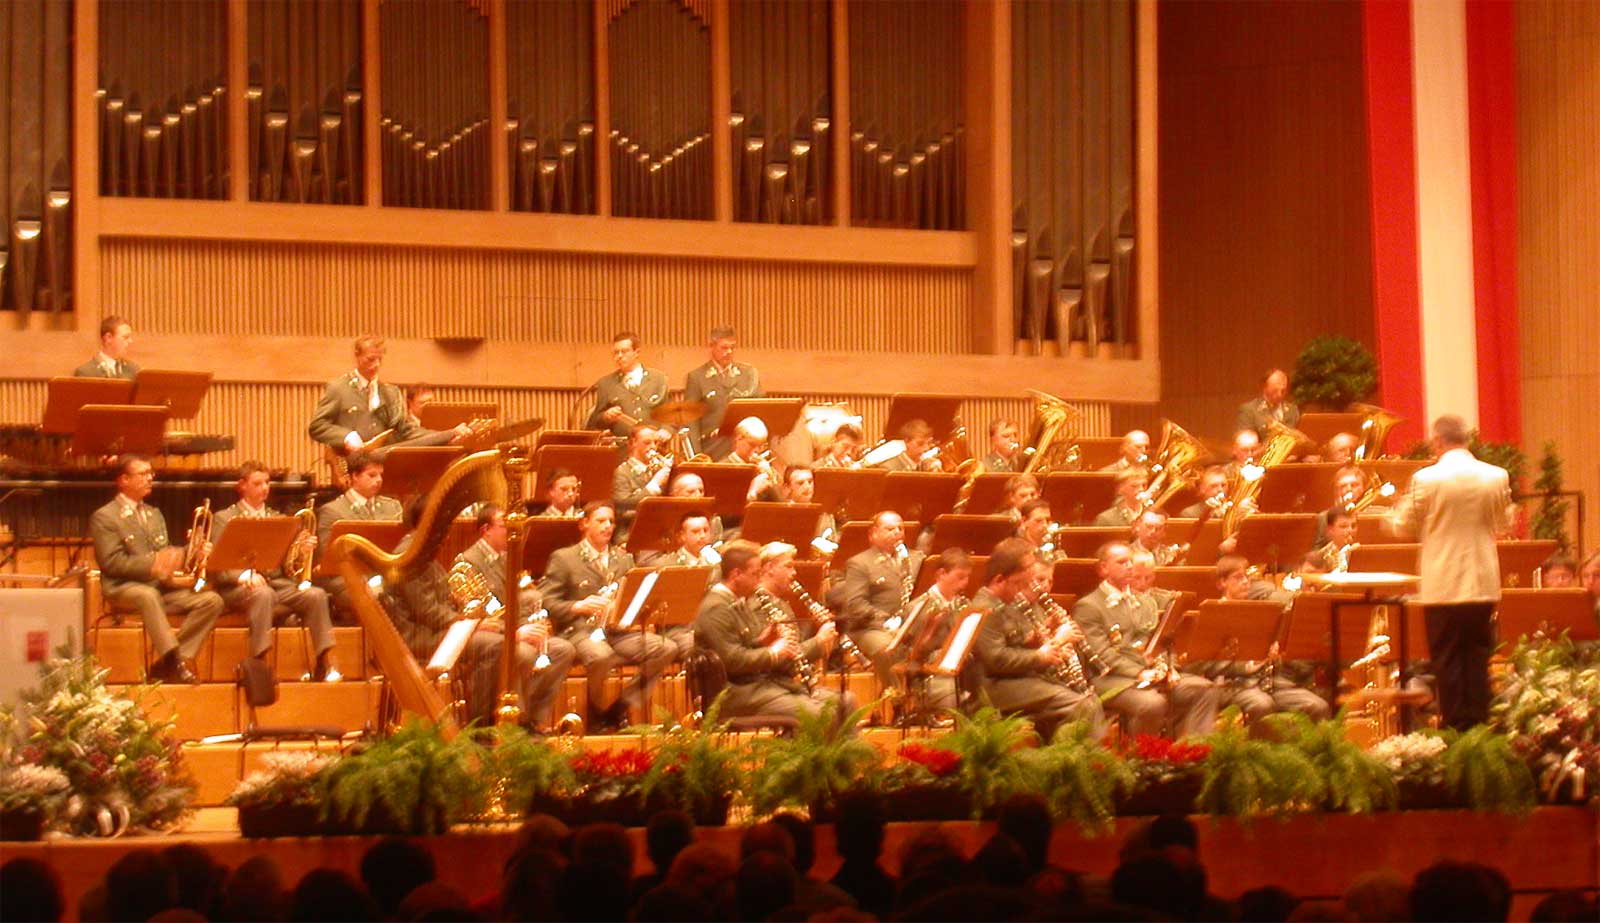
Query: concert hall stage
[[1314, 855]]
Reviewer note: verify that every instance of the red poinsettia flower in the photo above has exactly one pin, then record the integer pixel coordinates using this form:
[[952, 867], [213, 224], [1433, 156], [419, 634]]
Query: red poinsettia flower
[[936, 760]]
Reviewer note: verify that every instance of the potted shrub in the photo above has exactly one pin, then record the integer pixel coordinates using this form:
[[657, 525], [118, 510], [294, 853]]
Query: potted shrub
[[1354, 781], [415, 781], [1082, 777], [29, 797], [990, 747], [923, 785], [1416, 762], [1485, 773], [695, 771], [1245, 777], [286, 796], [808, 769], [528, 775], [1166, 775], [1332, 372], [609, 787]]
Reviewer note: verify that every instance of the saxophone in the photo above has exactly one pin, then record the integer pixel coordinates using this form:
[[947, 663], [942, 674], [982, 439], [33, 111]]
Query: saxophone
[[1070, 670], [823, 614], [805, 672]]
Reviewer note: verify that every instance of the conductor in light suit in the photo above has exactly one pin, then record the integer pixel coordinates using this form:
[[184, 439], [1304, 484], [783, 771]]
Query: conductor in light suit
[[1455, 508]]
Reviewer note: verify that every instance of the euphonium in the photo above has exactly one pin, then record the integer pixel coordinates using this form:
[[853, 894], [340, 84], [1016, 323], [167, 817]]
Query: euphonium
[[191, 574], [1055, 449], [1374, 430], [1175, 466], [1242, 497], [1375, 490], [298, 563]]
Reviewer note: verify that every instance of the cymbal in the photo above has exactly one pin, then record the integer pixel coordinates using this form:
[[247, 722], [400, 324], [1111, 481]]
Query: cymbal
[[678, 412]]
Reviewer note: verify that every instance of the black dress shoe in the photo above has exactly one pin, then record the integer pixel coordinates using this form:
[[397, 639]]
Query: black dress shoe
[[171, 669]]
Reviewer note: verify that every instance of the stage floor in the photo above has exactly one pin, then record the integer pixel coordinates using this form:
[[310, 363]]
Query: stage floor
[[1319, 855]]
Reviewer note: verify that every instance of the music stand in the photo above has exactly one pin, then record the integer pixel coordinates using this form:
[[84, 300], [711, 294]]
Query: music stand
[[921, 495], [794, 523], [1085, 541], [551, 437], [180, 392], [253, 544], [936, 410], [1397, 471], [386, 534], [1201, 581], [1373, 529], [1271, 538], [664, 596], [449, 414], [1324, 426], [593, 464], [853, 539], [780, 414], [930, 569], [1202, 537], [958, 645], [655, 522], [988, 492], [1549, 612], [1078, 496], [973, 533], [1519, 559], [66, 396], [543, 537], [850, 493], [1299, 487], [412, 470], [1078, 576], [1374, 588], [1096, 452], [728, 485], [1398, 558], [112, 429], [1227, 629]]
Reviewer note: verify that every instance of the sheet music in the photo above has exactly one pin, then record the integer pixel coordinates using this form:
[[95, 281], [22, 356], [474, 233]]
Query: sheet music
[[961, 643], [639, 598]]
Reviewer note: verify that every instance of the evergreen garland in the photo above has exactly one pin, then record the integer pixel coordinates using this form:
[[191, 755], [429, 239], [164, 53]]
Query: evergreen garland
[[1551, 520]]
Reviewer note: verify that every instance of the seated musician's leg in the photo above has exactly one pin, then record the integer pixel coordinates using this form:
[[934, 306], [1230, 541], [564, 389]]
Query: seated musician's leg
[[1195, 702], [598, 659], [256, 603], [1251, 700], [311, 605], [651, 654], [340, 608], [681, 639], [199, 610], [875, 644], [1144, 710], [1289, 697], [146, 600], [479, 668], [543, 684]]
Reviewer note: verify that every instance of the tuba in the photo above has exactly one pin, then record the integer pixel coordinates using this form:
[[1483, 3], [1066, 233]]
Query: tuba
[[1374, 430], [191, 574], [1055, 449], [1177, 464], [1241, 500]]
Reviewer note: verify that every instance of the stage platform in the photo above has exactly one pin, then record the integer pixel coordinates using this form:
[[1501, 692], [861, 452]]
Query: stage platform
[[1319, 855]]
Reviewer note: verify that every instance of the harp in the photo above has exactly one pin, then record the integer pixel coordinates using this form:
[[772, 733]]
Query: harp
[[480, 477]]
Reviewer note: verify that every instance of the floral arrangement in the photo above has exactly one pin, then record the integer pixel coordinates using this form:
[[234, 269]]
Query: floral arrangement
[[26, 787], [1416, 758], [1550, 707], [1158, 759], [289, 777], [123, 769], [936, 761]]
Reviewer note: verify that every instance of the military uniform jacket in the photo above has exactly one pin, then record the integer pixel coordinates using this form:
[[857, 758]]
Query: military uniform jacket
[[1118, 465], [874, 587], [126, 539], [219, 522], [636, 402], [345, 408], [1007, 645], [732, 628], [378, 509], [716, 387], [1138, 619], [1163, 553], [93, 369], [421, 608], [630, 482], [901, 462], [573, 575], [1117, 515], [1255, 414], [493, 568], [994, 462]]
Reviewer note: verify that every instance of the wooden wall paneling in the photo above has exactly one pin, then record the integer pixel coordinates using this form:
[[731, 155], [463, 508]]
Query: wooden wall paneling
[[1558, 245], [86, 156], [839, 83], [1265, 232], [553, 136], [372, 138]]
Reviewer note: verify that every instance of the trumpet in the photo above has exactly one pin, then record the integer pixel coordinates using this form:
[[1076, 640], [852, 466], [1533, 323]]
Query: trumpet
[[297, 564], [191, 574]]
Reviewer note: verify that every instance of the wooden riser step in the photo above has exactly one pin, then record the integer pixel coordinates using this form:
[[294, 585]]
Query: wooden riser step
[[210, 709], [124, 651]]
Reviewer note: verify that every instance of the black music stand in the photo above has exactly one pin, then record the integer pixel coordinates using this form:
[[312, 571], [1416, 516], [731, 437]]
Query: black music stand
[[936, 410], [780, 414], [1078, 496], [793, 523], [665, 597], [1371, 589], [1524, 612], [450, 414], [1310, 633], [728, 484], [66, 396], [973, 533], [1096, 452], [655, 522], [1399, 558], [1519, 559], [412, 470], [930, 569], [1201, 537], [959, 644], [1273, 538], [1300, 487], [988, 492], [1199, 580], [253, 544], [180, 392], [1078, 576], [921, 495], [1397, 471], [593, 464], [542, 538], [112, 429], [853, 539], [850, 493]]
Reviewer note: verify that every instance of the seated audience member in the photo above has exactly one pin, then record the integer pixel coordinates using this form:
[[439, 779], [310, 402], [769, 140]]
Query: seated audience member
[[1270, 904], [666, 834], [812, 894], [30, 890], [705, 870], [671, 904], [766, 883], [1589, 579], [1566, 907], [329, 894], [858, 834], [140, 885], [1026, 819], [199, 878], [530, 885], [1452, 890], [1559, 571], [1376, 896], [253, 891], [392, 868], [1001, 862], [1169, 881], [595, 886]]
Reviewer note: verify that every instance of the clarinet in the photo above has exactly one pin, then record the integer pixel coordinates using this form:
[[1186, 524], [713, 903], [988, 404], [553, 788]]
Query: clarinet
[[822, 614], [804, 671], [1070, 670]]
